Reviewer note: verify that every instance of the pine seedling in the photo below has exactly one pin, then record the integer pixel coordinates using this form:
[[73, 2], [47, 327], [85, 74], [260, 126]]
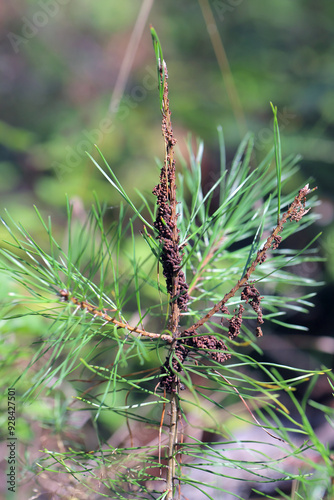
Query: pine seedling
[[216, 299]]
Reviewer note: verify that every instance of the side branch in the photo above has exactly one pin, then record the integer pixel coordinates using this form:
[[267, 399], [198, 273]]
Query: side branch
[[294, 213], [97, 313]]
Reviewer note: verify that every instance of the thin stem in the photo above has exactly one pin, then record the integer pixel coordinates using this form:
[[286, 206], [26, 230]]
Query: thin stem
[[86, 306], [168, 235], [174, 319], [172, 444]]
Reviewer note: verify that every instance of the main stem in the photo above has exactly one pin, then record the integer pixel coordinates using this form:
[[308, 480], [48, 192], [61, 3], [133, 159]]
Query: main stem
[[175, 310], [166, 223], [171, 260]]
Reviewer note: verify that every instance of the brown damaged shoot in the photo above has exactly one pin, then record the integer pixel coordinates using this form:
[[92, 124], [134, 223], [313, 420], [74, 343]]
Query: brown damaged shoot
[[166, 219]]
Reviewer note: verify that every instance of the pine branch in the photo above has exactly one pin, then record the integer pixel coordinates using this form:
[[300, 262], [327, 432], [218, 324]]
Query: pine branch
[[294, 213], [97, 313]]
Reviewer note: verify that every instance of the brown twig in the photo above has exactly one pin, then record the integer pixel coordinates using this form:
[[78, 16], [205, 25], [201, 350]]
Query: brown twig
[[294, 213], [86, 306]]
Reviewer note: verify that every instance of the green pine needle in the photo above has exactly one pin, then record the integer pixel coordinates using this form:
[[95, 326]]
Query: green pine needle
[[278, 159]]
